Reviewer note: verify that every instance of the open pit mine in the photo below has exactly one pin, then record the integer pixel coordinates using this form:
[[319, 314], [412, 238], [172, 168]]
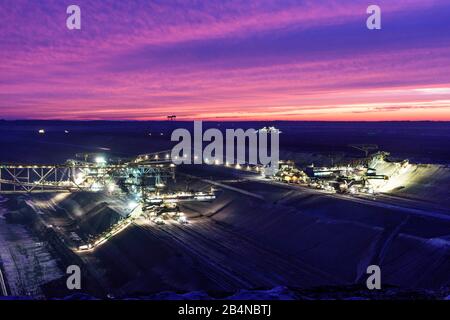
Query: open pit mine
[[142, 226]]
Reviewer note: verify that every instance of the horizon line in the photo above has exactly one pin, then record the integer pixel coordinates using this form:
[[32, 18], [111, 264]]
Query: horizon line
[[209, 120]]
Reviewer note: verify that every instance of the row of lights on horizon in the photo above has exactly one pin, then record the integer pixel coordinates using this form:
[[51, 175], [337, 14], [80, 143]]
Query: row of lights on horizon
[[238, 166], [218, 162]]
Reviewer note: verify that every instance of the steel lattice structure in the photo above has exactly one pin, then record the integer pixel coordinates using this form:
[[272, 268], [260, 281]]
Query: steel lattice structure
[[147, 170]]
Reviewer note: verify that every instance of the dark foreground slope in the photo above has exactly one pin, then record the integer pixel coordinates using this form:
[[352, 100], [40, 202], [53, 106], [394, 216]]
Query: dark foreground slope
[[274, 236], [341, 237]]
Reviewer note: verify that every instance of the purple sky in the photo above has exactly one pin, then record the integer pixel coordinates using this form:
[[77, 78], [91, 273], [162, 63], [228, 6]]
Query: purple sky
[[277, 59]]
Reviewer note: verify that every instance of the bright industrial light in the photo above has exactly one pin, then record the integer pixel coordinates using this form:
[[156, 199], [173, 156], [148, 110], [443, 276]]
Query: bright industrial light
[[111, 187], [156, 157], [206, 160], [167, 156], [96, 186], [195, 157], [217, 162], [182, 220], [79, 178], [132, 204], [238, 166], [41, 131], [100, 160]]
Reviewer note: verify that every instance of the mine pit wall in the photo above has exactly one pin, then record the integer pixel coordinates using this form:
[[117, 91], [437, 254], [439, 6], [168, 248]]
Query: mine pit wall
[[66, 258], [5, 289], [44, 286], [91, 213], [27, 262], [427, 182]]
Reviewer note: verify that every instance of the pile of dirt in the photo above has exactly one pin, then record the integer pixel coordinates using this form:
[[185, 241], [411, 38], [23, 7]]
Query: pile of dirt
[[93, 213], [428, 182], [99, 219]]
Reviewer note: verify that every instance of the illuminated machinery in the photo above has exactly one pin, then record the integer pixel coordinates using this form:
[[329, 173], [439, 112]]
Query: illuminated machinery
[[149, 170], [343, 179], [356, 180], [288, 172], [158, 198], [165, 206]]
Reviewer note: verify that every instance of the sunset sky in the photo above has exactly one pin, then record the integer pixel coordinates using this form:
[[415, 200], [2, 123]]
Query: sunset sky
[[225, 60]]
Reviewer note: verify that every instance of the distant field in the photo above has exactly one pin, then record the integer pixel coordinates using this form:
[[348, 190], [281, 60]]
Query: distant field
[[424, 142]]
